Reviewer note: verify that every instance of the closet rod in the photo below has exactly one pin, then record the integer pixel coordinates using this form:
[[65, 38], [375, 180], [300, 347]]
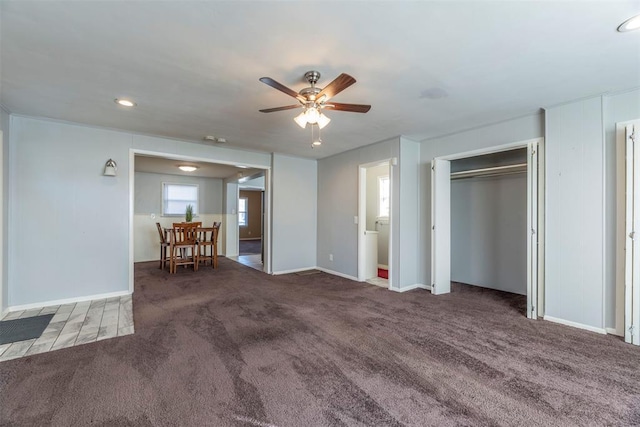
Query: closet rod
[[492, 171]]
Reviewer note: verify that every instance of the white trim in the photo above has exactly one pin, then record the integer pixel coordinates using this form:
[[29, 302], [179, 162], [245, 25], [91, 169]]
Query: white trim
[[68, 301], [295, 270], [410, 288], [575, 324], [335, 273], [132, 194], [613, 331], [490, 150]]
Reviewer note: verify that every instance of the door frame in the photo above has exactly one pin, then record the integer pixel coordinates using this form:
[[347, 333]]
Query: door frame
[[535, 220], [362, 214]]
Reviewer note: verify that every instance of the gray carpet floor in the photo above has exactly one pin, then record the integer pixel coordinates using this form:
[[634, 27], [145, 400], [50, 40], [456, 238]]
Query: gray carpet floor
[[236, 347]]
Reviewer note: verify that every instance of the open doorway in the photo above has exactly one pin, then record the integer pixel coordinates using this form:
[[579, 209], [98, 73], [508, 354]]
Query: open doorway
[[205, 185], [251, 221], [485, 223], [374, 219]]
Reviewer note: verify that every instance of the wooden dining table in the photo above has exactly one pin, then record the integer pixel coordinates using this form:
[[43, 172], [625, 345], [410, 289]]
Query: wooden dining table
[[204, 240]]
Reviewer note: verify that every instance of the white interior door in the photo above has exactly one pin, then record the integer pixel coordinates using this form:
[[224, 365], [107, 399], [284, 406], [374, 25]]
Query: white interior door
[[532, 230], [632, 239], [440, 226]]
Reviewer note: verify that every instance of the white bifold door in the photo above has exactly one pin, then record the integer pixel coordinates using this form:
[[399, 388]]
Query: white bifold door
[[441, 225], [632, 237]]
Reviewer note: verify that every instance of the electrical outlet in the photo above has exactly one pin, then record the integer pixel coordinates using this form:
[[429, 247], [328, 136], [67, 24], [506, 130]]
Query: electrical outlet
[[330, 257]]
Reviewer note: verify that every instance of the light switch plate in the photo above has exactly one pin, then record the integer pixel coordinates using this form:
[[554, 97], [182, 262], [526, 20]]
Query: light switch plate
[[355, 219]]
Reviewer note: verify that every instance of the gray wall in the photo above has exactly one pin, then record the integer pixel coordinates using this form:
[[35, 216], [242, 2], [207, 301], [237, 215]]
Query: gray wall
[[148, 192], [488, 232], [56, 181], [295, 196], [338, 204]]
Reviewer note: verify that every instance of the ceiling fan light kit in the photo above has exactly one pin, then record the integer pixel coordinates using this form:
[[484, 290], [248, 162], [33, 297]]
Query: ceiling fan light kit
[[313, 99]]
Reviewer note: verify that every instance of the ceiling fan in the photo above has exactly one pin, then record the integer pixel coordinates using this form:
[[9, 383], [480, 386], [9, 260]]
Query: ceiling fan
[[314, 99]]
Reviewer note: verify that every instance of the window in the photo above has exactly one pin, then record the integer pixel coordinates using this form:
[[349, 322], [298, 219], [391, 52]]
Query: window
[[383, 197], [176, 197], [242, 212]]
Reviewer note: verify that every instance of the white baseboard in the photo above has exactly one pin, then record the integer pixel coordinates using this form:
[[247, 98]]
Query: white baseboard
[[336, 273], [613, 331], [295, 270], [384, 267], [410, 288], [67, 301], [575, 325]]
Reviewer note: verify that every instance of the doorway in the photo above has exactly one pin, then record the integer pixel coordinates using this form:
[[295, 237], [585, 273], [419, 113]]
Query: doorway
[[512, 169], [374, 223], [148, 173], [251, 221]]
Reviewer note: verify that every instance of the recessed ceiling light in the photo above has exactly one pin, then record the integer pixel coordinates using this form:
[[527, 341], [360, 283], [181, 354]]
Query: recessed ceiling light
[[630, 24], [316, 143], [187, 168], [124, 102], [242, 166]]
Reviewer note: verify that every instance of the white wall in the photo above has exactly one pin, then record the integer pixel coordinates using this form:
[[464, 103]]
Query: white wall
[[520, 129], [148, 210], [295, 212], [618, 108], [5, 127], [61, 204], [68, 224], [488, 232], [373, 173], [405, 250], [575, 265]]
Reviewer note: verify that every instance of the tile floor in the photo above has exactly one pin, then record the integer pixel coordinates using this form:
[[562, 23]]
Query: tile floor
[[253, 261], [379, 281], [74, 324]]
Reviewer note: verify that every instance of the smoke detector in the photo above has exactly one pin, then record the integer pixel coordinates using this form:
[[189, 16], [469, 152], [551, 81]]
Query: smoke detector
[[212, 138]]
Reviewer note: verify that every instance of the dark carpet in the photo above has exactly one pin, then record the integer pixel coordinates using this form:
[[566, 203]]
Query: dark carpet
[[23, 329], [250, 247], [236, 347]]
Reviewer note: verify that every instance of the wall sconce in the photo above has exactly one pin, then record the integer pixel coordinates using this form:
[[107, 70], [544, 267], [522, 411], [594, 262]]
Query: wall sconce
[[110, 168]]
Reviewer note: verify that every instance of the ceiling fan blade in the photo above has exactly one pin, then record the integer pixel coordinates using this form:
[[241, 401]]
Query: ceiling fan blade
[[341, 82], [354, 108], [282, 88], [287, 107]]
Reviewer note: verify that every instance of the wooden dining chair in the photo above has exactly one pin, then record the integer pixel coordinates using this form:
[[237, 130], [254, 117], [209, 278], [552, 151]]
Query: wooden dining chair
[[164, 256], [208, 244], [184, 245]]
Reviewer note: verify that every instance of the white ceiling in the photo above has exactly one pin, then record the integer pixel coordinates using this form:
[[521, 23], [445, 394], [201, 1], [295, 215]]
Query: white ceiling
[[428, 68]]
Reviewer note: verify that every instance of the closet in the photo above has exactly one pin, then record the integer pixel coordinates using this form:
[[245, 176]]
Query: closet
[[489, 221]]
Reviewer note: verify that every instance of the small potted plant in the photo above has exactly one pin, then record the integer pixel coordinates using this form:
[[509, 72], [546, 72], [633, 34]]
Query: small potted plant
[[189, 213]]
